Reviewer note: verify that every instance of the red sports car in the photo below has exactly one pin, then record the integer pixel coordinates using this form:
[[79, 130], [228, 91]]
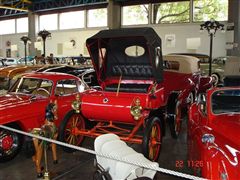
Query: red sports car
[[23, 107], [213, 134]]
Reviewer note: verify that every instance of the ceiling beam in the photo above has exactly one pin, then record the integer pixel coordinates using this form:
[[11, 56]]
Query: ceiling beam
[[13, 8], [18, 6]]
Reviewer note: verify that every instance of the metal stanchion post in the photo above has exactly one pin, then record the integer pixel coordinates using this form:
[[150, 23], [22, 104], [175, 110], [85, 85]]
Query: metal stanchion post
[[46, 173]]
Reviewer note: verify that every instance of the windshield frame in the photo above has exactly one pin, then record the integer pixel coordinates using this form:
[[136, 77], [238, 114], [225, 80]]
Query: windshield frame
[[19, 82]]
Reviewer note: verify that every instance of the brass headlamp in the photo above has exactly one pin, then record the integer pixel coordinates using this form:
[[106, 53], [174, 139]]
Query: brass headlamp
[[76, 104], [136, 109]]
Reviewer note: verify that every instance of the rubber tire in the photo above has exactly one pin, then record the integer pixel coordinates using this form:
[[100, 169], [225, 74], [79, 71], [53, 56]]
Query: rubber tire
[[101, 175], [19, 139], [146, 137], [63, 126], [217, 77], [172, 123]]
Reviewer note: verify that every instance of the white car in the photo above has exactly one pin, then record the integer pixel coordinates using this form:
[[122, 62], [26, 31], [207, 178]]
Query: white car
[[1, 62], [11, 61], [22, 61]]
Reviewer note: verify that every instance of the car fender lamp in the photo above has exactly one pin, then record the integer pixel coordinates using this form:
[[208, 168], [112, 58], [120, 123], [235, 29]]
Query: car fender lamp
[[76, 104], [136, 109], [208, 138]]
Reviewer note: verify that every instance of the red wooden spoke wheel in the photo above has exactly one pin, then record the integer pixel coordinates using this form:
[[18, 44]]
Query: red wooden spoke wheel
[[152, 139], [68, 127], [175, 122]]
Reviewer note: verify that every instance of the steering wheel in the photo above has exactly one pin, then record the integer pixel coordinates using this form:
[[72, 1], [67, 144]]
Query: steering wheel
[[44, 90]]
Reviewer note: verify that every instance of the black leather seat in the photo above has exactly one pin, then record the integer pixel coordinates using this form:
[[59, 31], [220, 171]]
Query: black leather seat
[[133, 71]]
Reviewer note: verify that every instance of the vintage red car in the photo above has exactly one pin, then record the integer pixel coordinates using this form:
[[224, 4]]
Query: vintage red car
[[23, 107], [182, 82], [135, 93], [213, 134]]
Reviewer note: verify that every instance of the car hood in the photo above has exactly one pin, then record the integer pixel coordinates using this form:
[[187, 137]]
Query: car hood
[[19, 106], [13, 100]]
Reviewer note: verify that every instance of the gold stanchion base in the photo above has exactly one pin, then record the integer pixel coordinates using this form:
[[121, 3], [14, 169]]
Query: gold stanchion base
[[46, 176]]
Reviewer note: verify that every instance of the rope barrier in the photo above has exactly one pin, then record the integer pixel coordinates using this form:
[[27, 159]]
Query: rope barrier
[[159, 169]]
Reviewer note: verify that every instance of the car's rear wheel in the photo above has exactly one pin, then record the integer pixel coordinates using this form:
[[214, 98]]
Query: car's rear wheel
[[175, 121], [10, 144], [68, 127], [101, 175], [152, 139]]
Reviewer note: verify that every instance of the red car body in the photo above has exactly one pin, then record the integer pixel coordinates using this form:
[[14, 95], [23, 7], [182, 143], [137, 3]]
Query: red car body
[[23, 107], [134, 89], [213, 134]]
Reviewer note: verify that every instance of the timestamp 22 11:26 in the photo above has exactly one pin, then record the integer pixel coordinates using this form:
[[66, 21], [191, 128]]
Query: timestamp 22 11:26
[[189, 163]]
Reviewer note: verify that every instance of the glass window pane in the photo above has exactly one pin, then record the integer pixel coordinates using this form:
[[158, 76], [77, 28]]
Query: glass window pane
[[204, 10], [22, 25], [7, 26], [132, 15], [48, 22], [97, 17], [71, 20], [175, 12]]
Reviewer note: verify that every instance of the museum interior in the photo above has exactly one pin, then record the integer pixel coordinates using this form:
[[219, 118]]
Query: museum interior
[[119, 89]]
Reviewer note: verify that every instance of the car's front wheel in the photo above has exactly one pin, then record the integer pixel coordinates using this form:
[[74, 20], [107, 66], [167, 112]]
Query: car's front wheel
[[68, 130], [152, 139], [10, 145]]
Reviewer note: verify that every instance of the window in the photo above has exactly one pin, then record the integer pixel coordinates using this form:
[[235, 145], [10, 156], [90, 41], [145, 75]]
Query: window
[[133, 15], [226, 101], [22, 25], [175, 12], [134, 51], [97, 17], [66, 87], [171, 65], [71, 20], [48, 22], [7, 26], [204, 10], [38, 87]]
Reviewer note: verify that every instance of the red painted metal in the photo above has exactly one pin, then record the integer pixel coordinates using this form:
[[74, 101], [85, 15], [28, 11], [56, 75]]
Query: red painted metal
[[220, 159], [29, 113], [7, 143]]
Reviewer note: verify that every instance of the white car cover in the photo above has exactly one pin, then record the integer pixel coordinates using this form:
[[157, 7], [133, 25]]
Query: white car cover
[[110, 144]]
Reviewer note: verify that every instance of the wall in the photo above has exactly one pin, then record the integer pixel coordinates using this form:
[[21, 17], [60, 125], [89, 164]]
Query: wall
[[182, 32], [58, 37]]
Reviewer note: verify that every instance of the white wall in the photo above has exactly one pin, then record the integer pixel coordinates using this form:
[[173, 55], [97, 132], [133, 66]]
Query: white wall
[[182, 32], [58, 37]]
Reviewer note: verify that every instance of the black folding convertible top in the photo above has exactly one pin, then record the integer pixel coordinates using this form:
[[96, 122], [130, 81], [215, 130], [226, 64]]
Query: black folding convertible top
[[117, 61], [148, 33]]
